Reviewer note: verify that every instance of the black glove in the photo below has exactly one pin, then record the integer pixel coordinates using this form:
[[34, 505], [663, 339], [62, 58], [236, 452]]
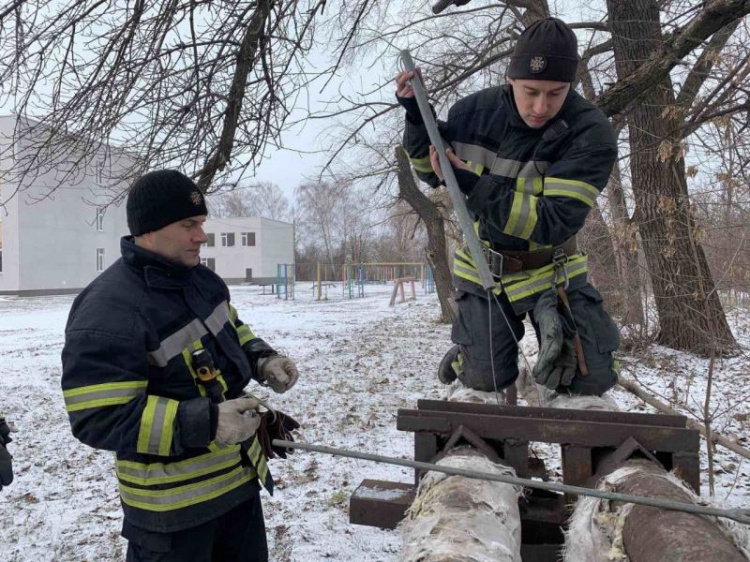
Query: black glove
[[276, 425], [557, 361]]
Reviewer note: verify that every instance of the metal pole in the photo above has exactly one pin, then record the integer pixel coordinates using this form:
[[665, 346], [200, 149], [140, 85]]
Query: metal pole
[[459, 204], [739, 515]]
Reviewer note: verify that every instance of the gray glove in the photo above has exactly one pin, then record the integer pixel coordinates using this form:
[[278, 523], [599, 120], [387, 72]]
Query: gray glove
[[278, 372], [557, 361], [238, 420]]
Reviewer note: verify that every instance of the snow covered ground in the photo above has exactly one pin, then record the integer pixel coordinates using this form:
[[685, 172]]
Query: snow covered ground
[[360, 360]]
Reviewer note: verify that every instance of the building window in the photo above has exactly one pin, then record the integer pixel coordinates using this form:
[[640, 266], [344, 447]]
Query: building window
[[210, 263], [248, 274], [100, 218], [211, 239], [100, 259], [248, 239], [227, 238]]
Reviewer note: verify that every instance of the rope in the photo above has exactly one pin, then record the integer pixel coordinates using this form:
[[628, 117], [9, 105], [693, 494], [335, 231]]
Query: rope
[[739, 515]]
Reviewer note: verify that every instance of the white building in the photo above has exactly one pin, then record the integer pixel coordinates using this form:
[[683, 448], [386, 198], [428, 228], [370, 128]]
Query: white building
[[58, 242], [245, 249], [54, 243]]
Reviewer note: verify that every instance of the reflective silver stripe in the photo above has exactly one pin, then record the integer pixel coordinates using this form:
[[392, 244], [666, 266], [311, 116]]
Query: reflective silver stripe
[[219, 317], [172, 345], [157, 426], [105, 394], [159, 473], [505, 167], [534, 169], [519, 217], [475, 153], [174, 498]]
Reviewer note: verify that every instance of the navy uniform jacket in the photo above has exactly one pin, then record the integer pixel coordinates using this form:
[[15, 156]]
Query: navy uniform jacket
[[534, 187], [129, 386]]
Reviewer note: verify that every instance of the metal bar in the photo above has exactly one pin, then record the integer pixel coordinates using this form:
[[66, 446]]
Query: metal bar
[[459, 203], [739, 515]]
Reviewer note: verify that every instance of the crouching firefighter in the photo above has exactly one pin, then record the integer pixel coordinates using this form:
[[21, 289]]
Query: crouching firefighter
[[134, 363], [531, 157]]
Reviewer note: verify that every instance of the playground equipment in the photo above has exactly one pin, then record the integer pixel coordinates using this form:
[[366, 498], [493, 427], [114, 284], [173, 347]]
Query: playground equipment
[[285, 278]]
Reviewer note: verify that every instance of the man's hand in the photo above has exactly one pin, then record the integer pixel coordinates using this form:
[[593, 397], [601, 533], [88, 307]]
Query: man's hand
[[238, 420], [465, 176], [405, 94], [403, 87], [278, 372]]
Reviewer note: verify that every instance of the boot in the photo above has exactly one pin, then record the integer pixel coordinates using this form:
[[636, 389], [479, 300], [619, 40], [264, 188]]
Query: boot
[[449, 366]]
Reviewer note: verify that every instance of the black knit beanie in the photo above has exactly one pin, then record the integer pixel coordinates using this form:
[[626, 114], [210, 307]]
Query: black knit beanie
[[160, 198], [546, 50]]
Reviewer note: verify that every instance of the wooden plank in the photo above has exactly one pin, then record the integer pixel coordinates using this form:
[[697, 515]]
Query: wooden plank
[[590, 434], [379, 503], [553, 413]]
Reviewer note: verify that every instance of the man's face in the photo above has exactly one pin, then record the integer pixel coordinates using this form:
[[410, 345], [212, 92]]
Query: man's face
[[179, 242], [538, 101]]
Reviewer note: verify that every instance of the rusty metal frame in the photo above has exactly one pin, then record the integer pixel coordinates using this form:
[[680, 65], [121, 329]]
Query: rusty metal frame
[[591, 443]]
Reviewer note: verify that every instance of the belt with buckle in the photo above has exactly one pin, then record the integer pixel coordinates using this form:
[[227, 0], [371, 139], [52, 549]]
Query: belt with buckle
[[502, 263]]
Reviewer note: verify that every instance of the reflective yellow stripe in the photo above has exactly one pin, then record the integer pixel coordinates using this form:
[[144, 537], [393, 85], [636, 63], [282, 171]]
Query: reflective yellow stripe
[[256, 456], [183, 496], [542, 279], [100, 395], [157, 426], [148, 474], [581, 191], [522, 218], [245, 334], [421, 164]]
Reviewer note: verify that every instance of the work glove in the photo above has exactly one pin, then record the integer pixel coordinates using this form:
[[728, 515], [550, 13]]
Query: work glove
[[557, 360], [276, 425], [238, 420], [278, 372], [6, 459]]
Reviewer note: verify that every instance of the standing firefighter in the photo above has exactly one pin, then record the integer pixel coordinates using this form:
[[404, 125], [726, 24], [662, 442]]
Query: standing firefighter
[[531, 157], [188, 460]]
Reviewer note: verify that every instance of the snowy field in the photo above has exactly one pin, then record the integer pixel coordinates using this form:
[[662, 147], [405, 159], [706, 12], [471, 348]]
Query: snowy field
[[359, 360]]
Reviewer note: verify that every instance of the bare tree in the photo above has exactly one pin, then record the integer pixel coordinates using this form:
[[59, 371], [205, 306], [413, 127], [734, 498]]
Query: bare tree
[[200, 86]]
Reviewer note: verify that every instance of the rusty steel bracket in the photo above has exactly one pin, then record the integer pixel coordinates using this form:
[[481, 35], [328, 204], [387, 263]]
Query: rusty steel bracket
[[465, 434], [629, 449]]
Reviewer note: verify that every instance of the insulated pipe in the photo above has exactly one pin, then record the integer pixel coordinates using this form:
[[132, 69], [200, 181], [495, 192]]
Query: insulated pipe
[[657, 535]]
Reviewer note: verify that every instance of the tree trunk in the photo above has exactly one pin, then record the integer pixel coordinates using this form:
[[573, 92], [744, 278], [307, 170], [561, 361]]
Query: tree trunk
[[691, 317], [625, 241], [434, 223]]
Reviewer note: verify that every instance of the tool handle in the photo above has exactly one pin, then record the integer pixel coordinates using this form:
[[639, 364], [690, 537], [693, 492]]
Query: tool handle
[[459, 202]]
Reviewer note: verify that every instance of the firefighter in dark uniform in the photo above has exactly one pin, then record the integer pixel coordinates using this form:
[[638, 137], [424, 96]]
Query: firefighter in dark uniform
[[6, 459], [531, 157], [188, 465]]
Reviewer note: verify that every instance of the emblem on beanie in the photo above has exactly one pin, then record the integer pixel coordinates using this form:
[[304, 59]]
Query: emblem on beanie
[[537, 64], [196, 198]]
